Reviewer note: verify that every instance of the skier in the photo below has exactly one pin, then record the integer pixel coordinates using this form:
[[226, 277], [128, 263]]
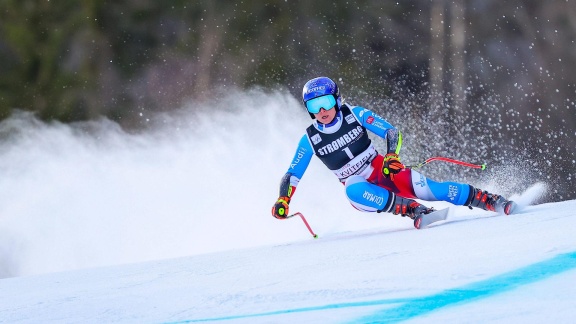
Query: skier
[[373, 182]]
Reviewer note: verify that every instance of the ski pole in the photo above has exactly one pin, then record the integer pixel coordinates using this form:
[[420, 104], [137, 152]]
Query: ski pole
[[305, 222], [445, 159]]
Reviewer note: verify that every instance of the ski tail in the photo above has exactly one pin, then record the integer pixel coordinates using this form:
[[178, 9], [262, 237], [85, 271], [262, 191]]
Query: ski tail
[[510, 207]]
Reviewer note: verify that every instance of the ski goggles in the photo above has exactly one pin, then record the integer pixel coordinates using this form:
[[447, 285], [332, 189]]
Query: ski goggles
[[314, 105]]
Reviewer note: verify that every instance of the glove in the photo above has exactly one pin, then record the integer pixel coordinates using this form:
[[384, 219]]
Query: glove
[[391, 165], [280, 208]]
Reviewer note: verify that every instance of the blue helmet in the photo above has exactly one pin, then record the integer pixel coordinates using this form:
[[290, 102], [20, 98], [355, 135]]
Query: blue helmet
[[319, 87]]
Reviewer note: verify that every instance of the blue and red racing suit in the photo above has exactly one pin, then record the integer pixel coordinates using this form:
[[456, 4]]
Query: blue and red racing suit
[[345, 148]]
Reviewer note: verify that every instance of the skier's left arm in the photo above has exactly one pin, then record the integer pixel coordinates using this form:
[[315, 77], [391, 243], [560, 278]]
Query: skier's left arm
[[379, 126]]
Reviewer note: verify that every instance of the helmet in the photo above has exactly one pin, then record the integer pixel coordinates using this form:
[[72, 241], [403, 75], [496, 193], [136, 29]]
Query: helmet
[[318, 87]]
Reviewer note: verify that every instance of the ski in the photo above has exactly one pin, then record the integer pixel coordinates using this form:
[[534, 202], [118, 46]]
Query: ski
[[510, 207], [422, 221]]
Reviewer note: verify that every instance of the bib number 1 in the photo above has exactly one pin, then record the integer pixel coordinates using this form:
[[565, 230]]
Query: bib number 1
[[348, 152]]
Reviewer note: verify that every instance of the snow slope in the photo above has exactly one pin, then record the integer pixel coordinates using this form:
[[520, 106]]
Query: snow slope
[[174, 225], [472, 269]]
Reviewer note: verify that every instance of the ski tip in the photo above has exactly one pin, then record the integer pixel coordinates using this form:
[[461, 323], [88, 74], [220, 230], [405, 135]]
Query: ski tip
[[315, 236]]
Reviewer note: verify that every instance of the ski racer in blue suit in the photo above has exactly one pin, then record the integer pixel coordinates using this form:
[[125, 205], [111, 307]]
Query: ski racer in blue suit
[[373, 182]]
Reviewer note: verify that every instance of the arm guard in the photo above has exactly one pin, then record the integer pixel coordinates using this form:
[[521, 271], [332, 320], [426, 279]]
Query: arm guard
[[286, 189], [393, 140]]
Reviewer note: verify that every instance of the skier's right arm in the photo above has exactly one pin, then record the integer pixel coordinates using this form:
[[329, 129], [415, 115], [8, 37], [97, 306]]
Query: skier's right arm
[[292, 177]]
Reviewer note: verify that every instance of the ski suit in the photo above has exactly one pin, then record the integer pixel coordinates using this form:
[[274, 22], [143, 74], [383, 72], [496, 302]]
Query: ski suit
[[345, 148]]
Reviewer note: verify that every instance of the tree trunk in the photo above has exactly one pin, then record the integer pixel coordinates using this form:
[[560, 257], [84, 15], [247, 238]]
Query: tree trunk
[[436, 67], [457, 59]]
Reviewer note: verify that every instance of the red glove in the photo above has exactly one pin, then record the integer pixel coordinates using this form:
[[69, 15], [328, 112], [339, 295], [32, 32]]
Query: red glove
[[280, 208], [391, 165]]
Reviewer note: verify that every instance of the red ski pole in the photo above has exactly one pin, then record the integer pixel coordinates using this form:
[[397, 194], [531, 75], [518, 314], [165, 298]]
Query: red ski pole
[[305, 223], [445, 159]]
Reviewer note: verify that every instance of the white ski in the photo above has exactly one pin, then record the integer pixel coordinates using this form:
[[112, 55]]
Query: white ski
[[424, 220]]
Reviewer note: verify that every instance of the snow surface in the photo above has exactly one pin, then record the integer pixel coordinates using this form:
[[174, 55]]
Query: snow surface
[[174, 226]]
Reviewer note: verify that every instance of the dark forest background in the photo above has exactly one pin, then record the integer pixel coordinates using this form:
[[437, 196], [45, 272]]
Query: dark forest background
[[482, 80]]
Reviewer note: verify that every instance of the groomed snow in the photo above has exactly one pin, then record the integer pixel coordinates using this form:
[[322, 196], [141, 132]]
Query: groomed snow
[[503, 269]]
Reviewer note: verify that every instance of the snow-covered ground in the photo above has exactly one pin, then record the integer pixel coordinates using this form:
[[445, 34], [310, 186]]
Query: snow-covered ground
[[505, 269], [100, 226]]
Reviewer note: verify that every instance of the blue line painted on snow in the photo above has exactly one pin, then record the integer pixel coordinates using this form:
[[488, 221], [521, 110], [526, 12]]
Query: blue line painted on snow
[[475, 291], [418, 306], [304, 309]]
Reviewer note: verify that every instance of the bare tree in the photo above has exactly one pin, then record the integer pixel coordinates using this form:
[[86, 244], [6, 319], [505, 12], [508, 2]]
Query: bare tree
[[436, 66], [458, 54]]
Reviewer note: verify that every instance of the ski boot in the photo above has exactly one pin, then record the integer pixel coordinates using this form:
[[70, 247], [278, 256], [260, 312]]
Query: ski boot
[[406, 207], [490, 202]]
